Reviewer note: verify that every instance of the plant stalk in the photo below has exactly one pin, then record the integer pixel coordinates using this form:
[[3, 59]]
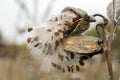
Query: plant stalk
[[109, 44]]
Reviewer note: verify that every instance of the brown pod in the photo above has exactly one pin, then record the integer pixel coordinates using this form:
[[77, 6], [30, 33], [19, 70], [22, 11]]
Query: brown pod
[[83, 45]]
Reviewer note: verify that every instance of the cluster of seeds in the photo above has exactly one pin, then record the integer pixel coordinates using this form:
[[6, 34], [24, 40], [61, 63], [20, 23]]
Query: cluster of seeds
[[47, 42]]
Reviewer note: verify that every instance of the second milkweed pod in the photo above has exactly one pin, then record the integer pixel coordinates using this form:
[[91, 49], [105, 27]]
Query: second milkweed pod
[[117, 12]]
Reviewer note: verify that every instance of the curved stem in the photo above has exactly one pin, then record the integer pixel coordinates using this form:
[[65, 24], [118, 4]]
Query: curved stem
[[97, 26], [103, 26], [107, 44]]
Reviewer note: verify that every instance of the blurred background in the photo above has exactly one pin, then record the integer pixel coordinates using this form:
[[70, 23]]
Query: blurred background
[[16, 62]]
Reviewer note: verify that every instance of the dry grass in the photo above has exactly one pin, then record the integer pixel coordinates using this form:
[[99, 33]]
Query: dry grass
[[18, 69], [17, 64], [28, 69]]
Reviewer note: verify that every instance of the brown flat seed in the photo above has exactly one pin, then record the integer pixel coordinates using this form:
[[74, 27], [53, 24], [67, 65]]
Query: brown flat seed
[[30, 29], [81, 62], [60, 31], [63, 69], [61, 57], [28, 40], [68, 68], [37, 44], [72, 55], [49, 30], [56, 33], [67, 58], [61, 40], [54, 65], [56, 44], [77, 68]]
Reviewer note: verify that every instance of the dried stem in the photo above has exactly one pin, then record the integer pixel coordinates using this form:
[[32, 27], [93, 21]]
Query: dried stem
[[109, 44]]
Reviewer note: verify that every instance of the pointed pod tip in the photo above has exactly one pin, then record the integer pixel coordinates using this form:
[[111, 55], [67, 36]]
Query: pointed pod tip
[[30, 29]]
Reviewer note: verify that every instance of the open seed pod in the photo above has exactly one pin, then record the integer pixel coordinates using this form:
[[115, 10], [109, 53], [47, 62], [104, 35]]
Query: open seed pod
[[83, 45]]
